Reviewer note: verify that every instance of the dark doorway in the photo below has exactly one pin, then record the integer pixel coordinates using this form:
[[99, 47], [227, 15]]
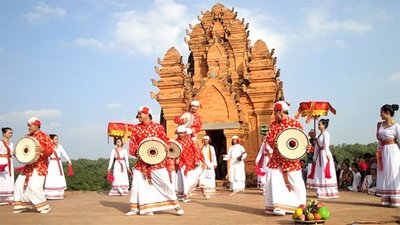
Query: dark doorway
[[218, 140]]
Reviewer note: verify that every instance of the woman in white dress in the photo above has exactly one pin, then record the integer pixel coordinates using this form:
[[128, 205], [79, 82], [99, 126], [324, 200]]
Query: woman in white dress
[[323, 173], [55, 183], [236, 155], [388, 157], [119, 156], [207, 178], [6, 168]]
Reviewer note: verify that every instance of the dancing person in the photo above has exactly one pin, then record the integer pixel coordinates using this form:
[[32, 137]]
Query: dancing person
[[388, 157], [6, 168], [190, 165], [285, 189], [196, 123], [237, 176], [323, 173], [55, 183], [120, 158], [207, 178], [28, 190], [151, 189], [261, 162]]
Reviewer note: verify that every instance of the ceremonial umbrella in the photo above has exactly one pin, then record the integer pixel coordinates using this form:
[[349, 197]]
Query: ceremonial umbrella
[[313, 110]]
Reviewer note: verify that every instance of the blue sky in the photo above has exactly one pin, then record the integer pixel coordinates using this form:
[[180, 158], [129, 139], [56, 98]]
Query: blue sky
[[79, 64]]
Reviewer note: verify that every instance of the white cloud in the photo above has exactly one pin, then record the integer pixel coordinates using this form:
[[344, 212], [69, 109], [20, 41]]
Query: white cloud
[[23, 116], [261, 26], [90, 43], [319, 23], [395, 77], [43, 12], [384, 15], [114, 105], [149, 33]]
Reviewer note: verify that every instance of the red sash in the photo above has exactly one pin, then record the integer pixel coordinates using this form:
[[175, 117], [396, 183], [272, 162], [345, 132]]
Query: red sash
[[119, 160], [8, 158], [58, 162]]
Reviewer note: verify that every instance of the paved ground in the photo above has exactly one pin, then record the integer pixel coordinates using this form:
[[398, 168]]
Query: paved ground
[[244, 208]]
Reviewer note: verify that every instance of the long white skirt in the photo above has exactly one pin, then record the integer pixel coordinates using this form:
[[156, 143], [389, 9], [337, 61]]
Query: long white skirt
[[55, 183], [388, 179], [326, 187], [7, 184], [237, 177], [278, 197], [160, 195], [207, 180], [33, 196], [120, 186], [186, 184]]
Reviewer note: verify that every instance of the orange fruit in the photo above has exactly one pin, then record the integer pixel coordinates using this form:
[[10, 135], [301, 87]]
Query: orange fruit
[[310, 216], [317, 216]]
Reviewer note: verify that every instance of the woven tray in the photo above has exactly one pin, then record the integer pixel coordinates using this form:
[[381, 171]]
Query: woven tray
[[309, 222]]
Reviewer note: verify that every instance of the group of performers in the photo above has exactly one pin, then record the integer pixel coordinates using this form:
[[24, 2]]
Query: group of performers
[[38, 181], [281, 179], [161, 186]]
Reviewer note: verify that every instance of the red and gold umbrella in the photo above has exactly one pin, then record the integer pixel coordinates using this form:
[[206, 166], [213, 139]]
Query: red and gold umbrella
[[122, 130], [313, 110]]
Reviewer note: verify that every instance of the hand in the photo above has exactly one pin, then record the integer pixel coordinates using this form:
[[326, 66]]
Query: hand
[[239, 158], [39, 149], [328, 157], [308, 147], [290, 187]]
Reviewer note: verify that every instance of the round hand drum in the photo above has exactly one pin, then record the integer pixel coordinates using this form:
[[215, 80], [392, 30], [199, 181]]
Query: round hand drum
[[152, 150], [175, 150], [292, 143], [188, 118], [25, 150]]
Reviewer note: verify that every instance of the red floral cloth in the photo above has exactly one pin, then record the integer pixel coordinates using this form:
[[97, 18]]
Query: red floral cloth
[[42, 163], [190, 154], [196, 125], [139, 133], [277, 160]]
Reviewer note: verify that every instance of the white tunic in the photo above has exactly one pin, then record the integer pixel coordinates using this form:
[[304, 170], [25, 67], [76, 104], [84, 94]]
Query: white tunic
[[120, 185], [6, 180], [388, 179], [55, 183], [207, 178], [326, 187], [237, 176]]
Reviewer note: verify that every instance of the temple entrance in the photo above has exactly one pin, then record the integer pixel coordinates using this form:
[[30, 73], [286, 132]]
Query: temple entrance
[[218, 140]]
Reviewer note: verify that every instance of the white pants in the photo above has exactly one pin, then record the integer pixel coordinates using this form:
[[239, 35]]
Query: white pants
[[146, 197], [186, 184], [278, 197], [33, 195]]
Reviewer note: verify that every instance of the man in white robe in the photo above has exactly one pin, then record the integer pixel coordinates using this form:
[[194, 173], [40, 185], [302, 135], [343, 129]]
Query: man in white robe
[[236, 155]]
